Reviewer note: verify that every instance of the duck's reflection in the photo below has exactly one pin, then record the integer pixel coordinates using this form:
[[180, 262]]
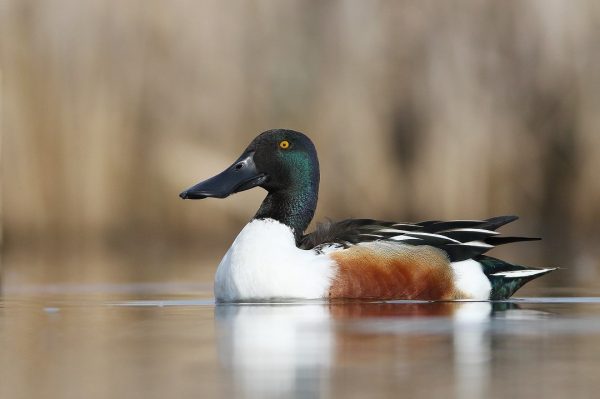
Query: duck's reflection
[[275, 350], [289, 350]]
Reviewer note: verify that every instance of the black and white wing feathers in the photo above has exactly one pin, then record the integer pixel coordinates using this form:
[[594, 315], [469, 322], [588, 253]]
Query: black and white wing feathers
[[460, 239]]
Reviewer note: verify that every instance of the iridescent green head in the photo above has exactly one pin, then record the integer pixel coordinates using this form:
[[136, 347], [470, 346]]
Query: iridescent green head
[[283, 162]]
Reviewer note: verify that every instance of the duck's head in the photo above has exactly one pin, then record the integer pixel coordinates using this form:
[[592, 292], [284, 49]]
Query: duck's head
[[280, 161]]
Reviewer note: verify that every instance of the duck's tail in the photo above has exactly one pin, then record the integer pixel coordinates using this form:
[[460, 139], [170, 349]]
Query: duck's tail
[[507, 278]]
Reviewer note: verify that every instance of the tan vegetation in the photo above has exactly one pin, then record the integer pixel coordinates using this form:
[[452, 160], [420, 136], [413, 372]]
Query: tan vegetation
[[419, 110]]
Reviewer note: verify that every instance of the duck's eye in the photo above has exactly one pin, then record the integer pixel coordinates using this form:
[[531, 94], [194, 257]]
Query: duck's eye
[[284, 145]]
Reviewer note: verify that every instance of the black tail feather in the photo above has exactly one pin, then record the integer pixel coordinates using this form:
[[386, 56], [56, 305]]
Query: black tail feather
[[507, 278], [495, 241], [497, 222], [437, 226]]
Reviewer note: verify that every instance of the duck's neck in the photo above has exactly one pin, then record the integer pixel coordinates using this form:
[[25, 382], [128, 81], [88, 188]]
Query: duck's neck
[[294, 207]]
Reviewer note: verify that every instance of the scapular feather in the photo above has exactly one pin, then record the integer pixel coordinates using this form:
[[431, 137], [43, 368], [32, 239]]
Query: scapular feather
[[455, 237]]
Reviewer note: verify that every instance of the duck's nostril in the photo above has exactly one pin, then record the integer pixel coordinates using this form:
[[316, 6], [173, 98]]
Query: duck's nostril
[[239, 166]]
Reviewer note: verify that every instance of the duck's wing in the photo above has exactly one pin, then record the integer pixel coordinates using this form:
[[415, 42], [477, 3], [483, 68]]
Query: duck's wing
[[460, 239]]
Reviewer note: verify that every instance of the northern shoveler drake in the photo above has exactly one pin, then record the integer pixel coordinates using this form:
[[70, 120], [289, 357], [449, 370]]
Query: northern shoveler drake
[[272, 258]]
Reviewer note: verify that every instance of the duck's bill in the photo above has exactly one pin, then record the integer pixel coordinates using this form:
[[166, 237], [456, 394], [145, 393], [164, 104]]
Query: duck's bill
[[240, 176]]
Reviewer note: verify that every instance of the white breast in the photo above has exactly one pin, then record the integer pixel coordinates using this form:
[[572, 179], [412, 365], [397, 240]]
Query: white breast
[[264, 263]]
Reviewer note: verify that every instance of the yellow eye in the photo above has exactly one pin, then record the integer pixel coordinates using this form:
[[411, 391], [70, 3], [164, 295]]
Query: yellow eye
[[284, 145]]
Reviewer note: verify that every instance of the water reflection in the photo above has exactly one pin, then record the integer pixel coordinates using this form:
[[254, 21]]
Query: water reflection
[[181, 346], [287, 350], [275, 350], [472, 349]]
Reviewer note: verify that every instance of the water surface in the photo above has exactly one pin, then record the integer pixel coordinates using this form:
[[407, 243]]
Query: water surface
[[145, 341]]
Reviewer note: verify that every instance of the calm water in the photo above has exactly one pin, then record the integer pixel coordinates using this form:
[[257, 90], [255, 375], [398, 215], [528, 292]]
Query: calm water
[[144, 342]]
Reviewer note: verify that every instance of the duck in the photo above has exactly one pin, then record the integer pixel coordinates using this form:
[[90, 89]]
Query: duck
[[273, 257]]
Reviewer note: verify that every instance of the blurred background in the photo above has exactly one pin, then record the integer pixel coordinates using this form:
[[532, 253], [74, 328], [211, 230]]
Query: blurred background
[[419, 110]]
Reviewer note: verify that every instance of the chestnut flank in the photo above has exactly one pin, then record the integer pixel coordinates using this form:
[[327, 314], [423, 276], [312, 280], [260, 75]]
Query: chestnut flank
[[383, 270]]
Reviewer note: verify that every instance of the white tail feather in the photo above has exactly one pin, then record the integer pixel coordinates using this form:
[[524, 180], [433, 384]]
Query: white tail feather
[[522, 273]]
